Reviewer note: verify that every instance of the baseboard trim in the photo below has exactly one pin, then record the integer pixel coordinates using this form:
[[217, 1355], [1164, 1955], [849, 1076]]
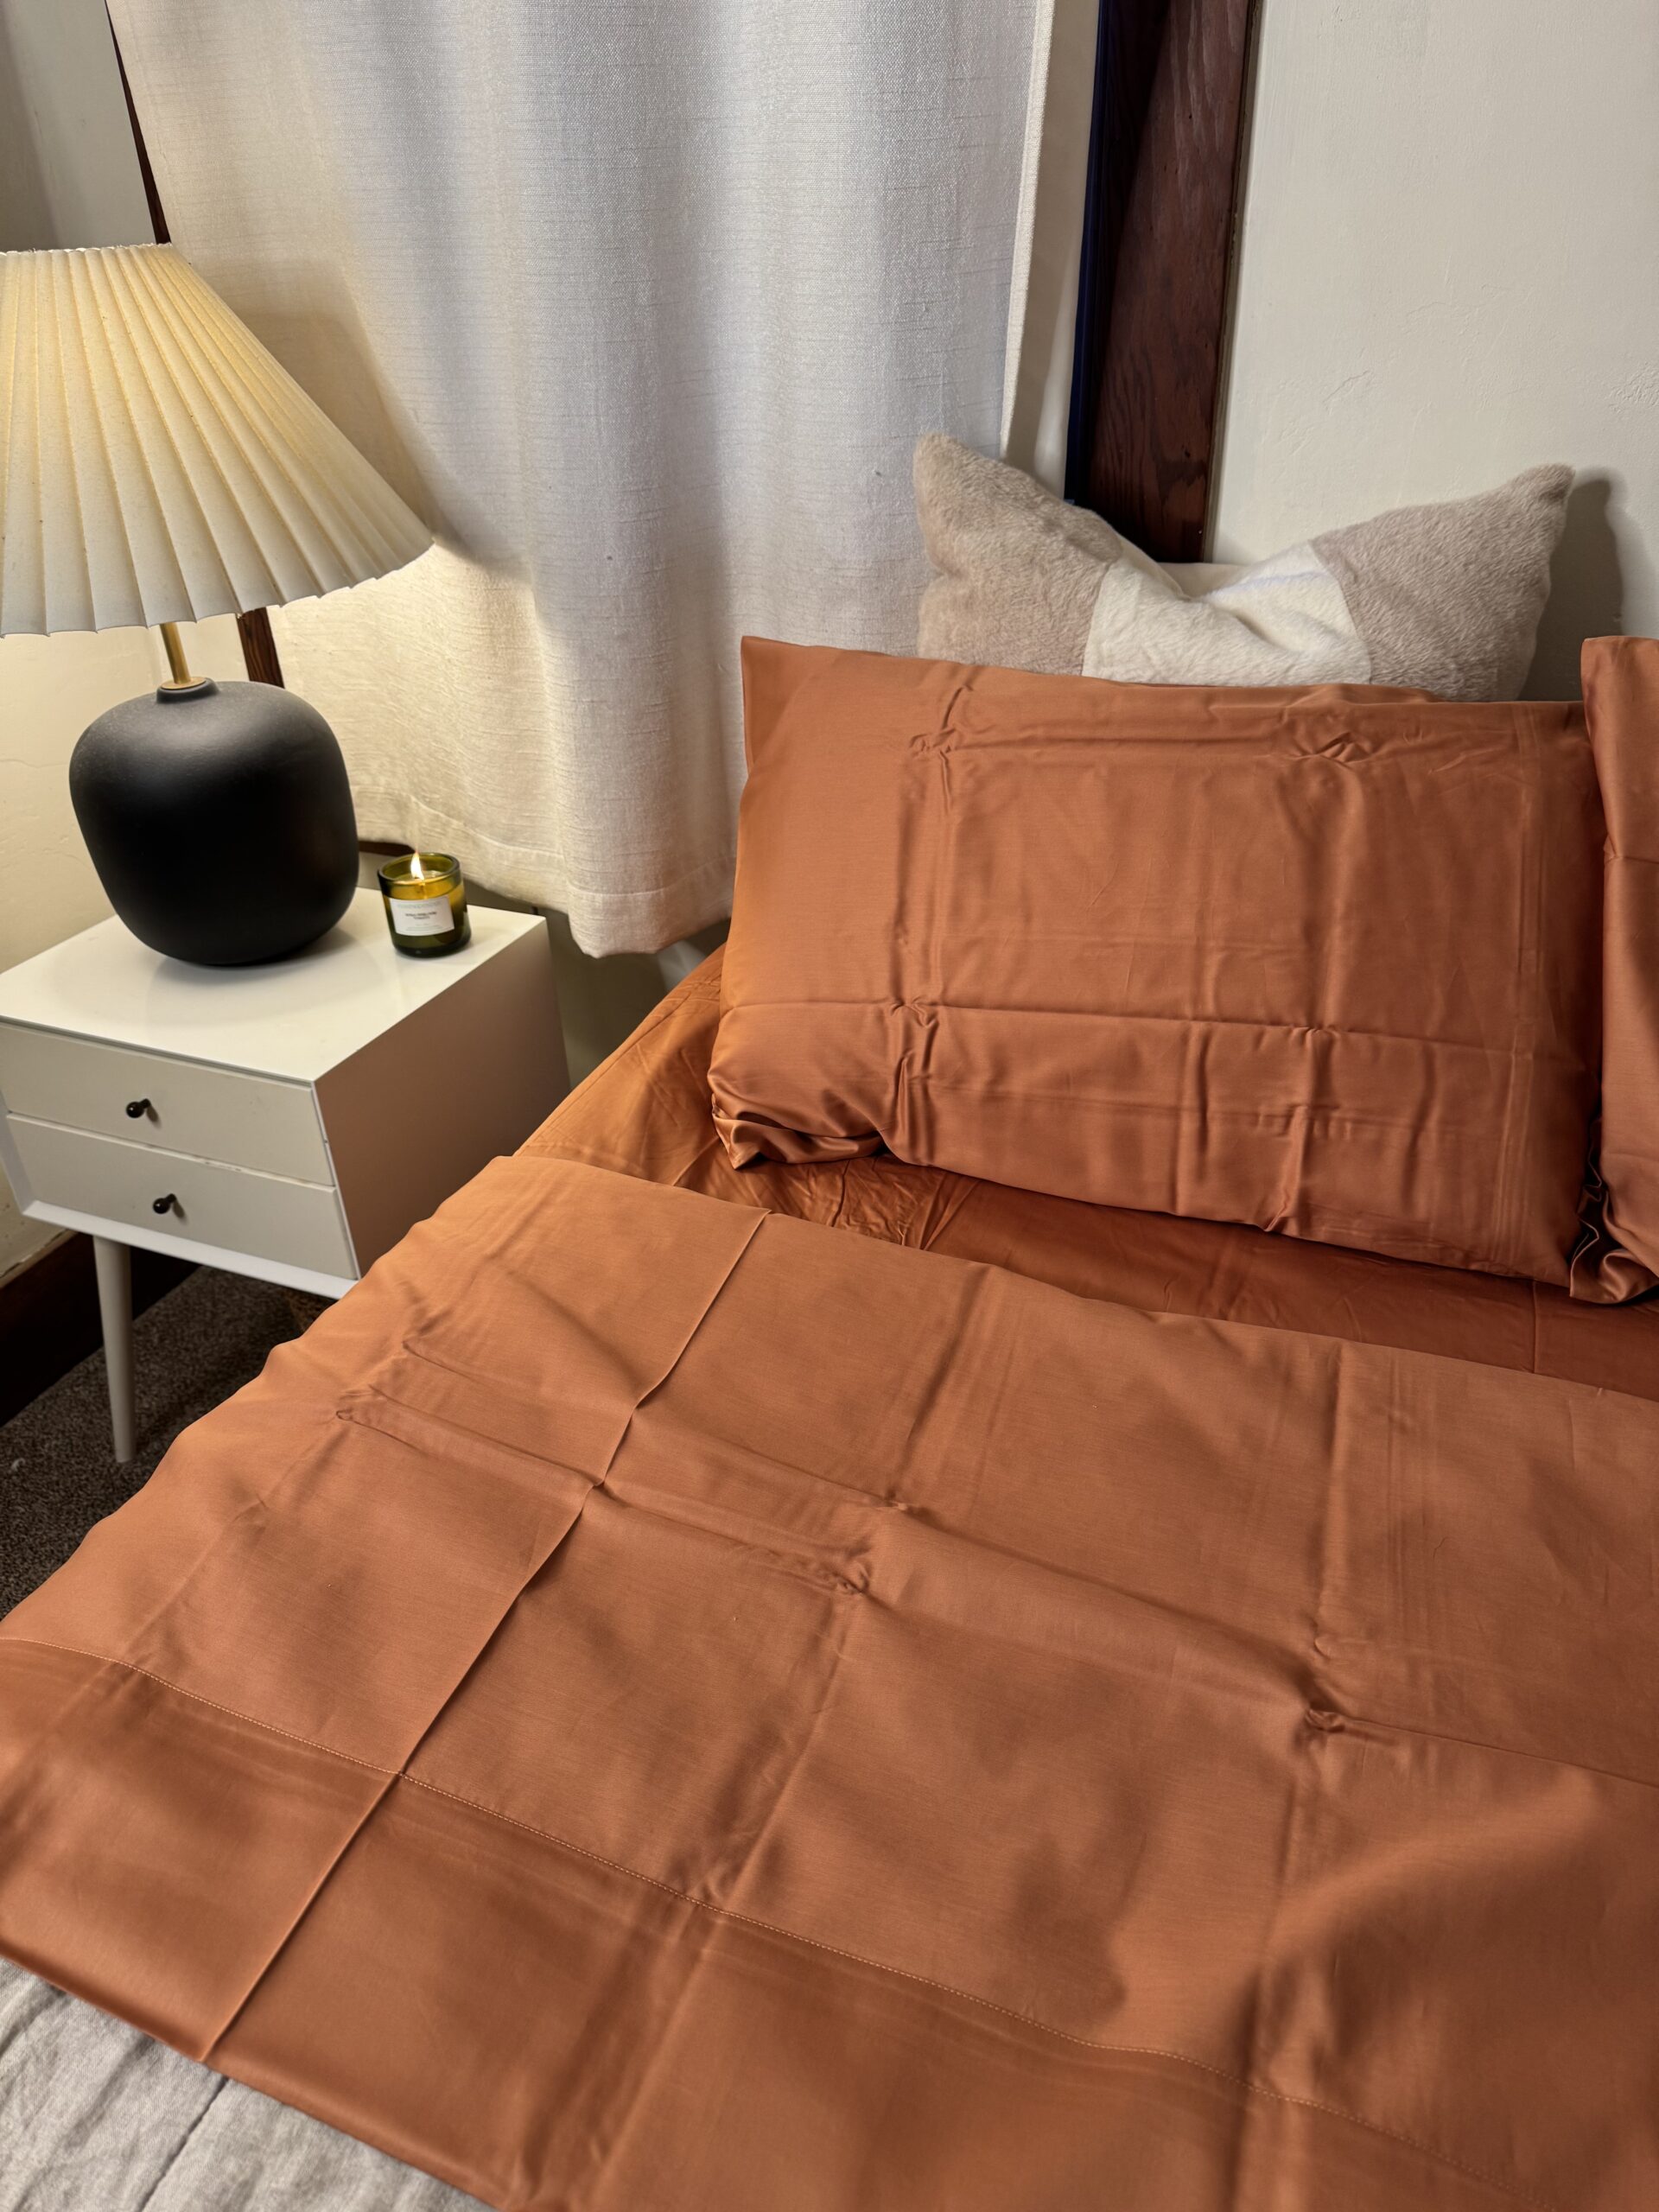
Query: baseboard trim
[[49, 1314]]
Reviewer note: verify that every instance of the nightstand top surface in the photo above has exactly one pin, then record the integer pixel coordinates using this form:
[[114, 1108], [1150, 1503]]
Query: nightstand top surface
[[294, 1018]]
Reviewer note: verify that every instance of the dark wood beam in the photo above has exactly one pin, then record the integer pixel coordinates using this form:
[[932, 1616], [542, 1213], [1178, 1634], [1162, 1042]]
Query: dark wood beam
[[259, 647], [1164, 162], [153, 199]]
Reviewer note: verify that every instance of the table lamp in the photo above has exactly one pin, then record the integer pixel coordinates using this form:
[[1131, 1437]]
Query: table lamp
[[158, 465]]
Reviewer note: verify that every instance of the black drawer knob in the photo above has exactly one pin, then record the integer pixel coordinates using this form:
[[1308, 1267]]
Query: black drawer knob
[[168, 1205], [136, 1107]]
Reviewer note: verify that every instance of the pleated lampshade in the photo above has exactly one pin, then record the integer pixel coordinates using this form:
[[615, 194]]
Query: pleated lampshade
[[158, 464]]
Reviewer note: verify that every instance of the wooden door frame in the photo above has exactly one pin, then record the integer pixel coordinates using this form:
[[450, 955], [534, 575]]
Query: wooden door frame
[[1165, 162]]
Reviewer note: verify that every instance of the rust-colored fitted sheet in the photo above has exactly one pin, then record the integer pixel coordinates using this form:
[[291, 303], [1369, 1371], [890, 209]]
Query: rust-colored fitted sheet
[[654, 1703], [646, 1112]]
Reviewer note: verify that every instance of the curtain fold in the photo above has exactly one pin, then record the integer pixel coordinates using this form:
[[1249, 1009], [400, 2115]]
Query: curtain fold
[[644, 308]]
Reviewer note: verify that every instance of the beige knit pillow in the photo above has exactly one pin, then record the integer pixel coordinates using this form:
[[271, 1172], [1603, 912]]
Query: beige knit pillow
[[1444, 599]]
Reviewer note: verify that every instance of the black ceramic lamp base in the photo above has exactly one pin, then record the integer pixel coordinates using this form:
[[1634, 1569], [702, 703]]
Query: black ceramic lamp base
[[219, 820]]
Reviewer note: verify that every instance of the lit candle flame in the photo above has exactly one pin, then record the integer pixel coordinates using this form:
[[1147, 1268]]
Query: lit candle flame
[[420, 873]]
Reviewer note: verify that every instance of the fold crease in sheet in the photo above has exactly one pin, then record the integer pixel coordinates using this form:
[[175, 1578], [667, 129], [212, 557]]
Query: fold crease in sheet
[[364, 1409]]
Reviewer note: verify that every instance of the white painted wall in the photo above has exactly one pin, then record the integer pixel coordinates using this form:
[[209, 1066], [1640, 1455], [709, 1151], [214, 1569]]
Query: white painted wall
[[1448, 272], [68, 173]]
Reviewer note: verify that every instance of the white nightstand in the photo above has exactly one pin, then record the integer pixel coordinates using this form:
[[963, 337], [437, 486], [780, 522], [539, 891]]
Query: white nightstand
[[288, 1121]]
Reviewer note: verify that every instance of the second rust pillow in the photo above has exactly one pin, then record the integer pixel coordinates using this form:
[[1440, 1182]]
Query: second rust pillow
[[1320, 960]]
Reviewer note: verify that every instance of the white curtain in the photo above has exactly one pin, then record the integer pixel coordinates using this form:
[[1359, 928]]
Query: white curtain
[[643, 302]]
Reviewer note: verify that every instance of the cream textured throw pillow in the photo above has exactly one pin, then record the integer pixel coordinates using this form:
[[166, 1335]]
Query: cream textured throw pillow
[[1443, 599]]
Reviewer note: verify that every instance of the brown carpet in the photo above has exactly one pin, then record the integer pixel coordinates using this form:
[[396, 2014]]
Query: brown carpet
[[193, 1349]]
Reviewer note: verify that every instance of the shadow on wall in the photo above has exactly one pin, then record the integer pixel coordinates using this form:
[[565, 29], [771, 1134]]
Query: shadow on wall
[[326, 354], [25, 213], [1586, 592], [602, 1001]]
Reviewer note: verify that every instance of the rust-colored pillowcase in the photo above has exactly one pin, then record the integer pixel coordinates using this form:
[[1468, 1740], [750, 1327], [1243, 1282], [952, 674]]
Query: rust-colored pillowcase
[[1323, 960], [1619, 1257]]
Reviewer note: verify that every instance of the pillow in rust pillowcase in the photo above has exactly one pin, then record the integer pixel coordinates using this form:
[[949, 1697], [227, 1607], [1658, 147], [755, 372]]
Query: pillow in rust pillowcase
[[1323, 960], [1619, 1255]]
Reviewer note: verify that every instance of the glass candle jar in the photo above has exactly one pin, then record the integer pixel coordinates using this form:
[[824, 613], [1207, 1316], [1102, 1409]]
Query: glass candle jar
[[426, 904]]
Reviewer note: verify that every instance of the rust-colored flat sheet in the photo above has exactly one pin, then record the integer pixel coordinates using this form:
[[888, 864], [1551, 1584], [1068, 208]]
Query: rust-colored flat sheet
[[646, 1112], [656, 1704]]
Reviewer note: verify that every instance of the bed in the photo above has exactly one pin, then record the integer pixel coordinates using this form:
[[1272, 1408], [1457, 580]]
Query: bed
[[842, 1685], [989, 1812]]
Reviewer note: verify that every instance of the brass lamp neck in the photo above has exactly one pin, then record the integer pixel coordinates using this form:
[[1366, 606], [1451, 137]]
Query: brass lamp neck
[[182, 679]]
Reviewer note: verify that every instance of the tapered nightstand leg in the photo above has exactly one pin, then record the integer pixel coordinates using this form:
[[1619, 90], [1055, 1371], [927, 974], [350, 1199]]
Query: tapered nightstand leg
[[114, 1264]]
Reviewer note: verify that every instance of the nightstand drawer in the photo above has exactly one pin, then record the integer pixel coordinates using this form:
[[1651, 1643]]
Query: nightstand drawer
[[248, 1120], [262, 1216]]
